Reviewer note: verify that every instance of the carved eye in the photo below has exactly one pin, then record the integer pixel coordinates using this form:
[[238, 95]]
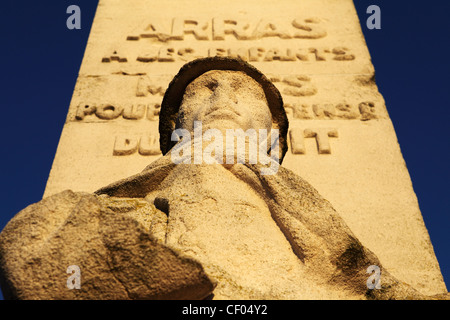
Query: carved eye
[[212, 85]]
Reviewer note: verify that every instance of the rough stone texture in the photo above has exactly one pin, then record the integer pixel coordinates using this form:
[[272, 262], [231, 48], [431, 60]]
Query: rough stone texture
[[108, 239], [261, 236]]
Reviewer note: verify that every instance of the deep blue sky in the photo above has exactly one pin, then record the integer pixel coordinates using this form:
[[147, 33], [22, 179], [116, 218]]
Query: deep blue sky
[[40, 59]]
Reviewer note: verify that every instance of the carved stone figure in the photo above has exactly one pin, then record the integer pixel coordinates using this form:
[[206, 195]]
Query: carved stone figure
[[190, 229]]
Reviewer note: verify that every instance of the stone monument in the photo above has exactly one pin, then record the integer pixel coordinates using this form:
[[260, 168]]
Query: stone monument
[[192, 231]]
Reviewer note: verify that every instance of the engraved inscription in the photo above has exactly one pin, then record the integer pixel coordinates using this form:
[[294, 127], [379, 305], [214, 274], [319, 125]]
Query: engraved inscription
[[332, 111], [153, 111], [114, 57], [197, 27], [367, 110], [298, 86], [339, 111], [240, 29], [363, 111], [125, 146], [187, 54], [298, 111], [342, 54], [145, 85], [115, 111], [166, 54], [322, 136], [108, 111], [251, 54], [294, 85], [149, 56], [146, 145], [84, 110], [297, 141], [134, 112], [308, 29], [149, 146], [219, 29]]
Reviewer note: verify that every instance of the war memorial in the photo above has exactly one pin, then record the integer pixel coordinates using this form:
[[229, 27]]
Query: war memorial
[[154, 195]]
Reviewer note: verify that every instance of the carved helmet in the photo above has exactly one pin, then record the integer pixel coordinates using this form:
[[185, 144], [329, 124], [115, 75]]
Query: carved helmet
[[192, 70]]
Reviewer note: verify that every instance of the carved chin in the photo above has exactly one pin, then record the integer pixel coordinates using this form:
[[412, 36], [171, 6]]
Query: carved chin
[[225, 123]]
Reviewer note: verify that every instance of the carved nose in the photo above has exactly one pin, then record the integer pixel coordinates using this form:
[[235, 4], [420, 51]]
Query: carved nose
[[224, 94]]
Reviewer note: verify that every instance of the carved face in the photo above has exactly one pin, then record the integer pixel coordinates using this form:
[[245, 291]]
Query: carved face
[[224, 100]]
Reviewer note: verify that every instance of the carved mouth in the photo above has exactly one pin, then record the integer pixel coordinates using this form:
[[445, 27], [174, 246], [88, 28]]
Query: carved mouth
[[222, 115], [223, 112]]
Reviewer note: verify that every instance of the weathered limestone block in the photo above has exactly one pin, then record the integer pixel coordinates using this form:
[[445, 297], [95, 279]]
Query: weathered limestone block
[[108, 240]]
